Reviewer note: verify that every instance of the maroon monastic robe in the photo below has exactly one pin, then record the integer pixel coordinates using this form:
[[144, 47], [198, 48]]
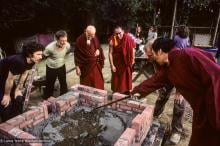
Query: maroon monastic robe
[[89, 64], [122, 58], [197, 77]]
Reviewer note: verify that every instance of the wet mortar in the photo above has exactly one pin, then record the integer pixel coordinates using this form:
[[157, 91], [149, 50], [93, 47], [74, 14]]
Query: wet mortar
[[83, 127]]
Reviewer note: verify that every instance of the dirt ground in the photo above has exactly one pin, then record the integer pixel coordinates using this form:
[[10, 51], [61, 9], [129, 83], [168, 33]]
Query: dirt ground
[[73, 79]]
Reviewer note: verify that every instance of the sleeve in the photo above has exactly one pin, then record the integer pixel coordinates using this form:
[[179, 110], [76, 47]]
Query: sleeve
[[46, 51], [68, 47], [157, 81], [188, 42], [155, 35], [207, 72]]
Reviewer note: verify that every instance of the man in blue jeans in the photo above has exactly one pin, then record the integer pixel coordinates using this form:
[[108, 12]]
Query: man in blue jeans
[[11, 96]]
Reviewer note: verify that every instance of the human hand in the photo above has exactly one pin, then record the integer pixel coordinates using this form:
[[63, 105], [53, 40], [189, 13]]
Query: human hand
[[178, 98], [135, 96], [78, 71], [6, 100], [113, 68], [97, 52]]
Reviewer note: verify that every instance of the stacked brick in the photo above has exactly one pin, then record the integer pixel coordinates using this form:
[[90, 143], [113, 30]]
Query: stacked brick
[[89, 96], [127, 104], [79, 94], [11, 131], [62, 104], [135, 135]]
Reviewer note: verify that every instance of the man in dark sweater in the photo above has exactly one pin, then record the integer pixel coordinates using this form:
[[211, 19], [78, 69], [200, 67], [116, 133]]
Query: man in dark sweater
[[11, 97]]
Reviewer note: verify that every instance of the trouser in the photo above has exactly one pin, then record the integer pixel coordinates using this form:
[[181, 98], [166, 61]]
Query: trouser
[[178, 109], [51, 76], [14, 108]]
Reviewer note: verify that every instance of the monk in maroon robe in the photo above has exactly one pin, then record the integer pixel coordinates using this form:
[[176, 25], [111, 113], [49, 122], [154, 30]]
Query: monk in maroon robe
[[196, 76], [121, 57], [89, 59]]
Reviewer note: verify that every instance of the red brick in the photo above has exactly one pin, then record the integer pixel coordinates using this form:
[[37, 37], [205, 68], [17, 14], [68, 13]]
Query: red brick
[[64, 108], [114, 106], [40, 116], [44, 102], [100, 92], [38, 121], [71, 99], [122, 103], [133, 104], [26, 136], [124, 107], [47, 104], [51, 99], [83, 88], [15, 132], [45, 111], [127, 138], [30, 114], [85, 96], [137, 110], [98, 98], [60, 103], [69, 109], [4, 128], [72, 103], [138, 125], [143, 106], [117, 96], [16, 121], [28, 123]]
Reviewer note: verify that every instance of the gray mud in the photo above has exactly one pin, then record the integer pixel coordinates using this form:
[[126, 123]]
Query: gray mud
[[81, 127]]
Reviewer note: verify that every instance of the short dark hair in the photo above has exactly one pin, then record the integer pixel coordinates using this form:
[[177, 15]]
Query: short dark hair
[[31, 47], [164, 44], [183, 31], [60, 33]]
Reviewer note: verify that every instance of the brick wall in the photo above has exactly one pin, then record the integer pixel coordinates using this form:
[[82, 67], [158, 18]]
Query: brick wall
[[79, 94]]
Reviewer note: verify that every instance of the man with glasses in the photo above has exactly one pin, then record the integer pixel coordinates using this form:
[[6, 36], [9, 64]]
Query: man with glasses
[[121, 57], [89, 59], [55, 53]]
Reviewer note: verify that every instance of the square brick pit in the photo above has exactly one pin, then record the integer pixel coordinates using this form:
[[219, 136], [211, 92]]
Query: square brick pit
[[12, 130]]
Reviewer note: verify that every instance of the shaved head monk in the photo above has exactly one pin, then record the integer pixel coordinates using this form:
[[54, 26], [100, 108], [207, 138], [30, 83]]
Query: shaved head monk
[[195, 74], [121, 57], [89, 59]]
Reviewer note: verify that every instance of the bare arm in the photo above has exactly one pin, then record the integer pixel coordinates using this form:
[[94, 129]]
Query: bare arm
[[110, 56], [8, 86], [78, 71], [157, 81], [21, 84], [133, 59]]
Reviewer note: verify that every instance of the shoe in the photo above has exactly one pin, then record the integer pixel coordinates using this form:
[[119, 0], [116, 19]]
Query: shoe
[[175, 138]]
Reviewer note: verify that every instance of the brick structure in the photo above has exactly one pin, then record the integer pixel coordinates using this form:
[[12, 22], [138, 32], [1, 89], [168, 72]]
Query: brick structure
[[79, 94]]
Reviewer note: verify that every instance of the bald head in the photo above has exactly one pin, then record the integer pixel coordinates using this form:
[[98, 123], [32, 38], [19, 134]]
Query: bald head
[[90, 31], [148, 49]]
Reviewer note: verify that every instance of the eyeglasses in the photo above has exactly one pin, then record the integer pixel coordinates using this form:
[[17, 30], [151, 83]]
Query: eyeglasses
[[118, 33]]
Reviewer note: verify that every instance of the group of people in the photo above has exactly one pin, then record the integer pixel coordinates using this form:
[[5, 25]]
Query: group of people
[[193, 72]]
